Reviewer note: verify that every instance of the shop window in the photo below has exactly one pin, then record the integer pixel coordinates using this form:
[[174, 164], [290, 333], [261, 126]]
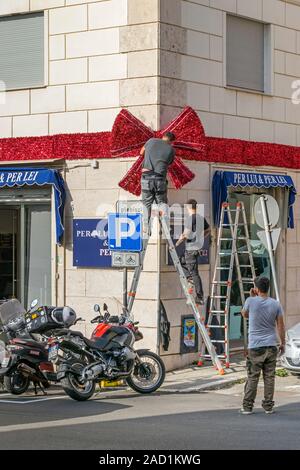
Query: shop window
[[248, 54], [22, 51]]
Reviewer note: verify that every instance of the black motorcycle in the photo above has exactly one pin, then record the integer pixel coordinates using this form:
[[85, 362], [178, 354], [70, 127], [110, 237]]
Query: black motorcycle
[[26, 354], [108, 355]]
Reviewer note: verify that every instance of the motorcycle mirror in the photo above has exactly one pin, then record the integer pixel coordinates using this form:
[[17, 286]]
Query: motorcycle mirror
[[96, 308], [34, 303]]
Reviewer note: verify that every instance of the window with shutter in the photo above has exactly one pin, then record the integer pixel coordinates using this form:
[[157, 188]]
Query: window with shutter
[[246, 53], [22, 51]]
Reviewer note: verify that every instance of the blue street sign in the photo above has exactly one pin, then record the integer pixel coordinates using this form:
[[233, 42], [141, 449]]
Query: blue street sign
[[125, 232], [90, 243]]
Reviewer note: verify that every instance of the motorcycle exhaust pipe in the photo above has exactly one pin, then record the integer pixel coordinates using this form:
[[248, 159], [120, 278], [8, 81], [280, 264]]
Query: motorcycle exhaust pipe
[[31, 373], [27, 370], [93, 371]]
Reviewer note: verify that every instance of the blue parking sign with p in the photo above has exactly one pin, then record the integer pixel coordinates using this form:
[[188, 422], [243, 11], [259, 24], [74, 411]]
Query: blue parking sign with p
[[125, 232]]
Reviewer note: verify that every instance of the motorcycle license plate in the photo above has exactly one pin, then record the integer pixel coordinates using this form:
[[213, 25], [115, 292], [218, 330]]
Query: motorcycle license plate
[[53, 352]]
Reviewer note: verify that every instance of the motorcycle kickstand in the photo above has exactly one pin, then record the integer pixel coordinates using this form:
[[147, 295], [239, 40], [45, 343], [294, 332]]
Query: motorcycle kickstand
[[38, 384]]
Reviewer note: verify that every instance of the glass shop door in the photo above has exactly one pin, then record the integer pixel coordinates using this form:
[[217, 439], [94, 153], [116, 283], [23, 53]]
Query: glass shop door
[[25, 245], [9, 219]]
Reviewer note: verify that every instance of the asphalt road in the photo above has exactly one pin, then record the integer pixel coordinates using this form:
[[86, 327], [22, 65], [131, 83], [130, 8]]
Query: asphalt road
[[125, 420]]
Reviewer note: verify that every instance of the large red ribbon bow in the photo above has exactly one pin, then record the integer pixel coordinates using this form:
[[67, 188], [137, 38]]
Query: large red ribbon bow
[[129, 135]]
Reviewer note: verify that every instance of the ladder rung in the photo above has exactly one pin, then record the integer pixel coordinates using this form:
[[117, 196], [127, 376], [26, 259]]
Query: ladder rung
[[217, 311], [222, 314], [219, 356], [215, 326], [221, 268], [243, 252], [245, 266], [218, 340], [226, 239], [225, 254], [248, 279], [233, 225], [223, 283], [218, 297]]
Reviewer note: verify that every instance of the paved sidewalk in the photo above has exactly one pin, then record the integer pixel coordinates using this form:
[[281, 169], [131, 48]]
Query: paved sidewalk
[[193, 378]]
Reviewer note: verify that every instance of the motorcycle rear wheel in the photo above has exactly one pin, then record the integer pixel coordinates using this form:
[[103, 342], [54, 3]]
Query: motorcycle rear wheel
[[77, 390], [149, 375], [16, 383]]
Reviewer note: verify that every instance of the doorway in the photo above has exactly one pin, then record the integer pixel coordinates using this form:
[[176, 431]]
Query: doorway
[[260, 253], [25, 244]]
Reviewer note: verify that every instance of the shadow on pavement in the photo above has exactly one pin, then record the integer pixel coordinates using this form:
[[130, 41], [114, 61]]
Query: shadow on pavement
[[217, 429]]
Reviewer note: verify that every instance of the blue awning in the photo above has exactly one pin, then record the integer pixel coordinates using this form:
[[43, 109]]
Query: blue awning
[[222, 180], [39, 176]]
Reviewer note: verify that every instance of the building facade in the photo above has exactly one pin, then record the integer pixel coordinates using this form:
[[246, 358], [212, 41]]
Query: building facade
[[236, 62]]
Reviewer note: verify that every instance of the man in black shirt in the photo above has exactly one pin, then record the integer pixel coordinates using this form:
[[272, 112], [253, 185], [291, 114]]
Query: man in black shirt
[[159, 155], [196, 229]]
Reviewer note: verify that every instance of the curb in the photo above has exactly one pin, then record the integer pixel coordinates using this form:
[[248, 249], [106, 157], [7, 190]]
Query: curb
[[208, 386], [214, 385]]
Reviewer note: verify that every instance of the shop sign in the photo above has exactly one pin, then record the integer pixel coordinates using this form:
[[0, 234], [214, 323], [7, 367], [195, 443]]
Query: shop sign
[[90, 243]]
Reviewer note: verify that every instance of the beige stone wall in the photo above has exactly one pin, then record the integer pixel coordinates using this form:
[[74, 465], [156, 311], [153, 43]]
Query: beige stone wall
[[102, 55], [192, 37]]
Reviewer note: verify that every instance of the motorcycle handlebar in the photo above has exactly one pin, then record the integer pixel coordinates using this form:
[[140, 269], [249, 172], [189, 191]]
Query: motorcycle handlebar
[[98, 319]]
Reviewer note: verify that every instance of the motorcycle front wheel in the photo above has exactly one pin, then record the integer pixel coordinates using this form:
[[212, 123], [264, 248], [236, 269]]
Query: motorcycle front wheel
[[74, 386], [16, 383], [148, 374]]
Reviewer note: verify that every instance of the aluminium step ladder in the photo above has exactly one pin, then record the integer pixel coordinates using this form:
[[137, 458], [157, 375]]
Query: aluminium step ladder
[[185, 286], [220, 296]]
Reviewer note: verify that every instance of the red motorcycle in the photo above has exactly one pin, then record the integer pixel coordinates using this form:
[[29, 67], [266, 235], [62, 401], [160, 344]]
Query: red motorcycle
[[108, 355]]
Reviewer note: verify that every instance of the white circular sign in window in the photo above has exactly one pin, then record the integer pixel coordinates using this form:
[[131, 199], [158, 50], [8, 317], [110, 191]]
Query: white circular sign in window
[[272, 211]]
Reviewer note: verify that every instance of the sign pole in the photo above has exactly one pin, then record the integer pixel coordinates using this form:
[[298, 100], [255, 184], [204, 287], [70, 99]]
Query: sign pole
[[125, 288], [269, 244]]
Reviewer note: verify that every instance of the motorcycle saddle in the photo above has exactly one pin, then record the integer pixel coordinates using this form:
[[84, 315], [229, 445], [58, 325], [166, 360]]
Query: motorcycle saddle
[[99, 344]]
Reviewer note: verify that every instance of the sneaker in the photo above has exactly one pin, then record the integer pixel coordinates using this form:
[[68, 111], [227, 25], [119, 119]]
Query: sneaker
[[269, 412], [244, 411]]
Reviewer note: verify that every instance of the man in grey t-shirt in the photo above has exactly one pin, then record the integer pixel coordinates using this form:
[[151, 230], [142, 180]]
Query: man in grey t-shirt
[[158, 156], [265, 325]]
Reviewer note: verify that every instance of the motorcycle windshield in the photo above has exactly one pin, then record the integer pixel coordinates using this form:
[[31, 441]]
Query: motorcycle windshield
[[9, 310]]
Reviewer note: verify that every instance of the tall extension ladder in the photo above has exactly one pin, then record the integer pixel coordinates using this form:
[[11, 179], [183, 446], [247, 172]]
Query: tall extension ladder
[[219, 308], [185, 285]]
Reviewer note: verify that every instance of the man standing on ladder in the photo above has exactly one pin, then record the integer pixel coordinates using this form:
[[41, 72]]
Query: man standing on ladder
[[159, 155], [196, 229]]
